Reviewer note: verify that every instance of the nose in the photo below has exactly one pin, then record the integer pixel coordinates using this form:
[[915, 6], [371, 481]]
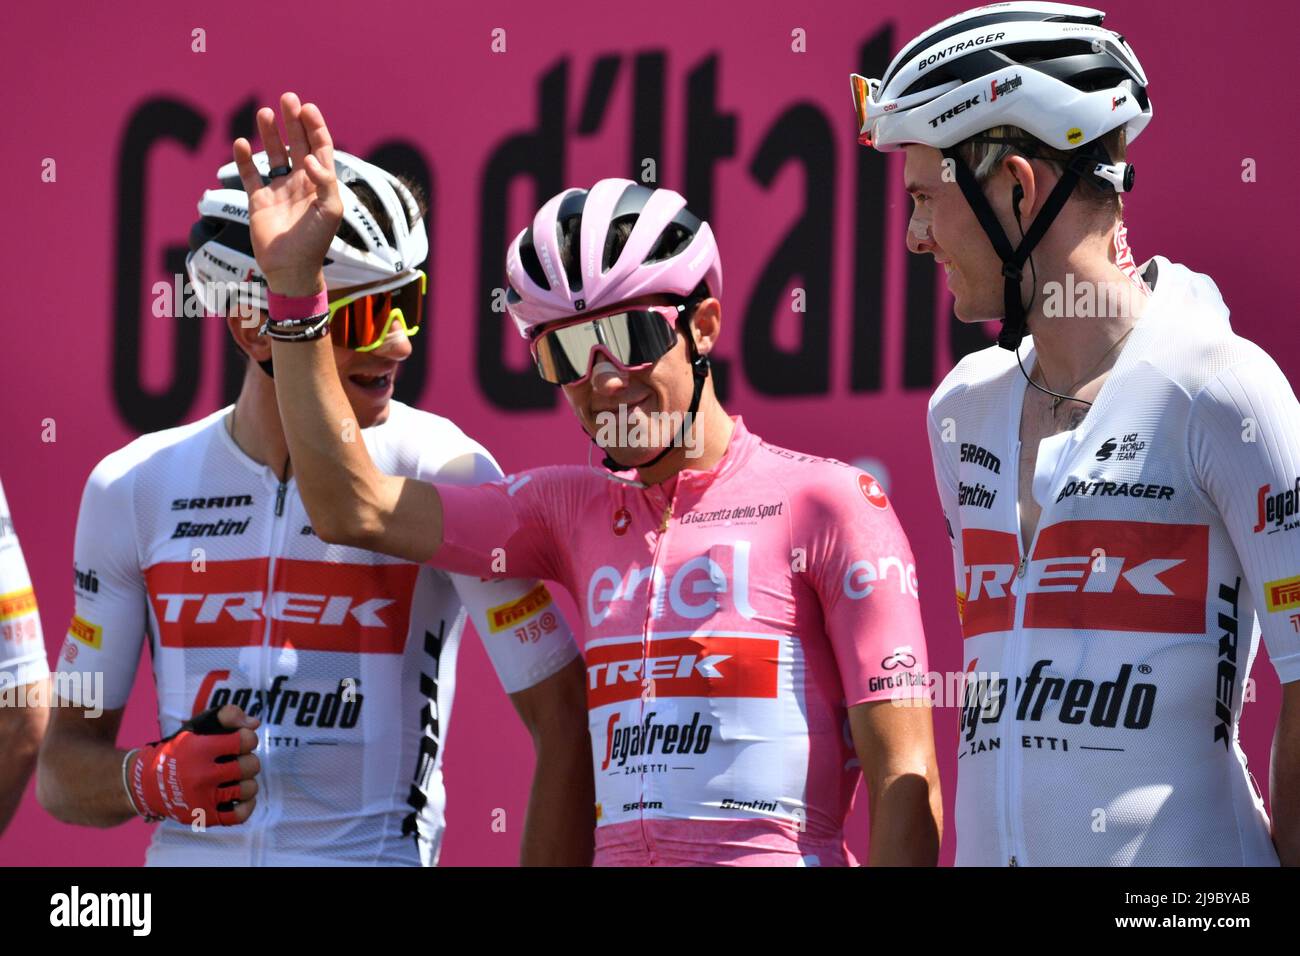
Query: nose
[[919, 239], [397, 346], [606, 377]]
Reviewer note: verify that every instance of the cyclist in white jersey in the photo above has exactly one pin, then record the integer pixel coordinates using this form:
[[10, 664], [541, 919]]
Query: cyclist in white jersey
[[331, 668], [1122, 490], [24, 672]]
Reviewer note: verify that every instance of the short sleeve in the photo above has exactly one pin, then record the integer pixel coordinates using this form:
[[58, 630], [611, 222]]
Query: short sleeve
[[22, 646]]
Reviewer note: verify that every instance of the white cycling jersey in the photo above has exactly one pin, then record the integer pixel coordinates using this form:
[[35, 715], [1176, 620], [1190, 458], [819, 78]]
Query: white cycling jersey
[[22, 648], [348, 657], [1107, 665]]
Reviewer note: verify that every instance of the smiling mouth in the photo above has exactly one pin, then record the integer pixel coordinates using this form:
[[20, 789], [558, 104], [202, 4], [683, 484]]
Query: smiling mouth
[[372, 383]]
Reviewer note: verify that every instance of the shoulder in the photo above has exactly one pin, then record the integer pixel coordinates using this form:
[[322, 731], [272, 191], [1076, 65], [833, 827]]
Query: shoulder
[[988, 366], [821, 487], [162, 451], [419, 443]]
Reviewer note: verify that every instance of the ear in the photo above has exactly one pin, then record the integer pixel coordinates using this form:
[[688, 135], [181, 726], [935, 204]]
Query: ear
[[1025, 185], [706, 325], [244, 330]]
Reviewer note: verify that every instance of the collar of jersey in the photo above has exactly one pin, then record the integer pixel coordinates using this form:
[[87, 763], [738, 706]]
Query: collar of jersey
[[741, 445]]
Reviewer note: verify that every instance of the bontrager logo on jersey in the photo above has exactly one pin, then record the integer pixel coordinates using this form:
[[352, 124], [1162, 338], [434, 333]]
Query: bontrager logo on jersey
[[505, 616], [337, 705], [652, 737], [1101, 488], [315, 605], [1089, 575], [1118, 702], [700, 666], [216, 501], [1278, 509]]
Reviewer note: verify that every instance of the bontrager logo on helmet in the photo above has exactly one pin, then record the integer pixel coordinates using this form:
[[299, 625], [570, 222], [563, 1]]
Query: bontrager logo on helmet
[[362, 252]]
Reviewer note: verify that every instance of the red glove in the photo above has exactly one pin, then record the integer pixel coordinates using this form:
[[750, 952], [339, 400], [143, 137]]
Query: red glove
[[194, 769]]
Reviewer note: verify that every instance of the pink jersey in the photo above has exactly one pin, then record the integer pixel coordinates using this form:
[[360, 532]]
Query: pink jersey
[[732, 616]]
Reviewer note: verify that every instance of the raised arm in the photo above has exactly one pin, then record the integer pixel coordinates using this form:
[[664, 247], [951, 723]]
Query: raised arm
[[292, 219]]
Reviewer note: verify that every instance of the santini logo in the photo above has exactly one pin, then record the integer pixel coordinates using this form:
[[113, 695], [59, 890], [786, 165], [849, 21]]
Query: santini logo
[[102, 909]]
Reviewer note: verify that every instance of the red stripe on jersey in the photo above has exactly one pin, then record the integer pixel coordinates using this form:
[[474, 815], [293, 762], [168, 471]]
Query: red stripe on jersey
[[683, 667], [316, 606]]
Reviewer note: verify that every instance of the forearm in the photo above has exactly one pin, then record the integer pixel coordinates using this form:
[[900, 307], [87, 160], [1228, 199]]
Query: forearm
[[906, 819], [336, 478], [560, 826], [1284, 791], [80, 781], [21, 729]]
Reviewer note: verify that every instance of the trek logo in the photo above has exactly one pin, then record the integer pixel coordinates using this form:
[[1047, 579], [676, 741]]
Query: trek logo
[[1110, 703], [1225, 684], [1278, 509], [1282, 595], [695, 591], [339, 707], [208, 529], [1005, 87], [217, 501], [950, 113], [1129, 447], [982, 457], [641, 740], [1098, 575], [85, 581], [355, 608], [698, 666]]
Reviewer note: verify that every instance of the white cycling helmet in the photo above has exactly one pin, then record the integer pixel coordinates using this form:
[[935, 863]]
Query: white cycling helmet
[[1050, 69], [365, 251]]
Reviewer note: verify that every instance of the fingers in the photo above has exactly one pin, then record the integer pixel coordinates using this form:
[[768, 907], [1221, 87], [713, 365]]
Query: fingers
[[243, 810], [233, 717], [249, 766], [248, 174], [290, 109], [320, 163], [247, 741], [276, 154]]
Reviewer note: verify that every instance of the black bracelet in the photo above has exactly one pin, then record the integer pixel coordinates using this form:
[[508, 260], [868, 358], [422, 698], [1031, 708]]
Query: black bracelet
[[297, 330]]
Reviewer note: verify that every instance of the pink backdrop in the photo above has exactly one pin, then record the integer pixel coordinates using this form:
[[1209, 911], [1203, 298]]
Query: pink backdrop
[[759, 138]]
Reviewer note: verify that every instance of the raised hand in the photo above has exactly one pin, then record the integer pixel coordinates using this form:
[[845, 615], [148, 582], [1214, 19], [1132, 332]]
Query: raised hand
[[292, 218]]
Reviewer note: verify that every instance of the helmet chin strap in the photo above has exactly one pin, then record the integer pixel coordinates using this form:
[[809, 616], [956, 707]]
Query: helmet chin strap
[[1014, 322], [699, 372]]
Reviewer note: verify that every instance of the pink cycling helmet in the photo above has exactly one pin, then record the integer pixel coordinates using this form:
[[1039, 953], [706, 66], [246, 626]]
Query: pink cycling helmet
[[670, 251]]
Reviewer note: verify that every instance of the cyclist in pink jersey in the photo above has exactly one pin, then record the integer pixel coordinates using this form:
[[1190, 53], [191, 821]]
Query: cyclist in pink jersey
[[751, 612]]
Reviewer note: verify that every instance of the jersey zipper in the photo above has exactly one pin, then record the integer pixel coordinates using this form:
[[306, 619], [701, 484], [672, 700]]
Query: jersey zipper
[[661, 534], [265, 792]]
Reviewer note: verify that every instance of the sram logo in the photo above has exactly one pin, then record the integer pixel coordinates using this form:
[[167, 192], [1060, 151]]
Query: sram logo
[[312, 606], [682, 667], [1094, 575]]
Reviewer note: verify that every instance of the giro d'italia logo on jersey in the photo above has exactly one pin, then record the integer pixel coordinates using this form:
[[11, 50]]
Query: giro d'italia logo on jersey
[[1094, 575]]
